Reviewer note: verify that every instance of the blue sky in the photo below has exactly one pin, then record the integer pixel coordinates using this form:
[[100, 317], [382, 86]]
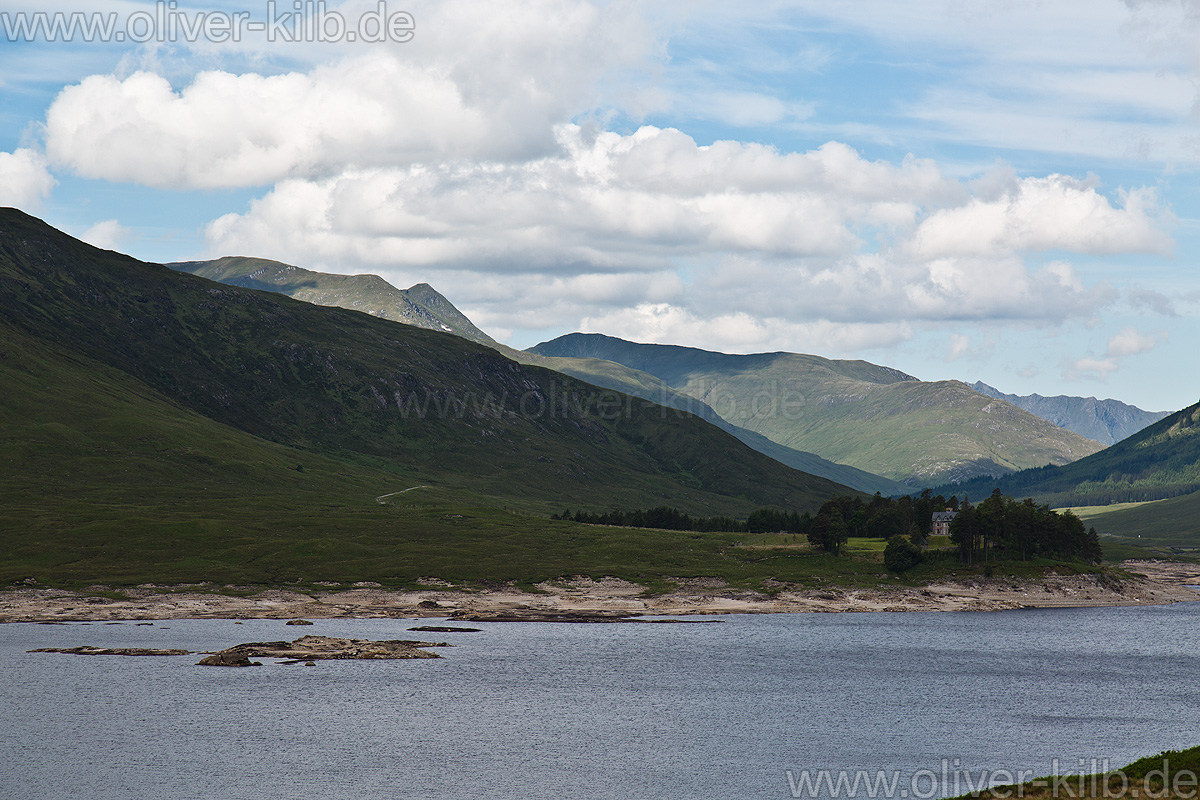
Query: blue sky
[[979, 190]]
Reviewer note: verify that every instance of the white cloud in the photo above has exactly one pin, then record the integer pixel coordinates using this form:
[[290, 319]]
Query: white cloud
[[960, 346], [476, 157], [1129, 342], [605, 202], [1090, 368], [24, 179], [824, 236], [246, 130], [475, 84], [107, 235], [740, 332], [1052, 213]]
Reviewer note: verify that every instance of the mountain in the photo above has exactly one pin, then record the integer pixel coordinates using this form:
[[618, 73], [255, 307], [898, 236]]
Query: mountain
[[107, 481], [419, 305], [348, 385], [1104, 421], [424, 307], [1158, 462], [871, 417]]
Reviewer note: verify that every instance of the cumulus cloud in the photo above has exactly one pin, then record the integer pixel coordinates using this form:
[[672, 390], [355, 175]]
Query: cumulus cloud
[[473, 85], [605, 202], [25, 180], [740, 332], [1129, 342], [960, 346], [1085, 368], [228, 130], [107, 235], [476, 157], [1052, 213], [745, 231]]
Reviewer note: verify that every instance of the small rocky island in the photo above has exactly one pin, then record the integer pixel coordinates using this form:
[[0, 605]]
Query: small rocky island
[[316, 648], [88, 650], [307, 649]]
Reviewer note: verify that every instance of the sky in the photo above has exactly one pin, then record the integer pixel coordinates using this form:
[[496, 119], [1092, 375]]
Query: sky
[[995, 190]]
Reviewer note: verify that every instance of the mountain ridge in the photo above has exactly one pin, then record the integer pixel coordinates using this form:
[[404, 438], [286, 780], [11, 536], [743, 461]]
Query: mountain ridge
[[337, 381], [420, 305], [872, 417], [1105, 421], [423, 306]]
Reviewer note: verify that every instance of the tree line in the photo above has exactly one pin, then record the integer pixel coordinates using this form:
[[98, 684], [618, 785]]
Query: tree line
[[1001, 527], [998, 528]]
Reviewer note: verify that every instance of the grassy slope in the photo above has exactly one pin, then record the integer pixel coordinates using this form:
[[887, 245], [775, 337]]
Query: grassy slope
[[1170, 775], [342, 382], [874, 418], [106, 480], [424, 307], [1173, 523], [1159, 462]]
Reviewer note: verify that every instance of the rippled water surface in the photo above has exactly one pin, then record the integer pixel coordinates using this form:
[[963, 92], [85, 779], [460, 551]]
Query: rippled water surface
[[535, 710]]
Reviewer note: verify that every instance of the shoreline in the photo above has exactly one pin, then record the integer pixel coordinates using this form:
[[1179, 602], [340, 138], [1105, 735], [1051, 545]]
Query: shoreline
[[584, 599]]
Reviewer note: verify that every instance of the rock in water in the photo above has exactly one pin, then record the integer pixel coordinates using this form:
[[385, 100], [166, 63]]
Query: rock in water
[[85, 650], [313, 648], [443, 629], [298, 622], [227, 658]]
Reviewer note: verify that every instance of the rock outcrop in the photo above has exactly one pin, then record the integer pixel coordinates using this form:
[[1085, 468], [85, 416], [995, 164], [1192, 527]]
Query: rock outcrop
[[86, 650], [313, 648]]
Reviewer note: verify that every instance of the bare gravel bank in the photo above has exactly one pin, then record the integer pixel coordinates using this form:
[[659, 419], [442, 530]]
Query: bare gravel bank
[[1154, 583]]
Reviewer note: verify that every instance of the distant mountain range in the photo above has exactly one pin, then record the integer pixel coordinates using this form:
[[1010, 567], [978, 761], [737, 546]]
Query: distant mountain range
[[872, 417], [1104, 421], [424, 307]]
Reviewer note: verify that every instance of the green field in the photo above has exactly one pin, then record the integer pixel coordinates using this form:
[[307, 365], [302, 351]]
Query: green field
[[1171, 527]]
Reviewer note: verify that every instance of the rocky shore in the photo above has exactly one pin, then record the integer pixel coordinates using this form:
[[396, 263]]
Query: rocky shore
[[607, 599]]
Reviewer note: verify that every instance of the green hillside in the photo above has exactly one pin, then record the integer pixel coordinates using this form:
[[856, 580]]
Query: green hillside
[[870, 417], [1173, 524], [422, 306], [1158, 462], [160, 427], [337, 381], [106, 480]]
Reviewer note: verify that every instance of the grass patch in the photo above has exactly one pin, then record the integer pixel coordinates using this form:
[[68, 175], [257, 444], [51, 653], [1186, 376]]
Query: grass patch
[[1170, 775]]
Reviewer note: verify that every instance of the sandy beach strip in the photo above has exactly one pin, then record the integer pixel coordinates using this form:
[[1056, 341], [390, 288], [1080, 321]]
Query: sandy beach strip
[[1155, 583]]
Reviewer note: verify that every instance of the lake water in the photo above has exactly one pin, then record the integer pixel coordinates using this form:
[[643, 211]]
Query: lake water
[[527, 710]]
